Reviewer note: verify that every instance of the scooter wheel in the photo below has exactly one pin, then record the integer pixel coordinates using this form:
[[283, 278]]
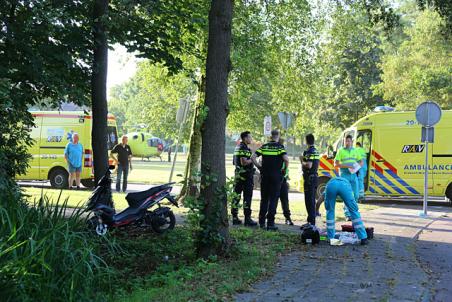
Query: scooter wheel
[[164, 222], [94, 225], [101, 229]]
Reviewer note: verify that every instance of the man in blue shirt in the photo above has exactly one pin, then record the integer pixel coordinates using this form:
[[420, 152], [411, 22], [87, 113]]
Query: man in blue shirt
[[73, 153]]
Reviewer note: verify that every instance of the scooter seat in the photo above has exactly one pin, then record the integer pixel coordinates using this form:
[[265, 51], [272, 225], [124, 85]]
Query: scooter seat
[[134, 199]]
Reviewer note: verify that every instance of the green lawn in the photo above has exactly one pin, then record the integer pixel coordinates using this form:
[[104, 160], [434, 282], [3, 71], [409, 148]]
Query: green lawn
[[183, 277], [158, 172]]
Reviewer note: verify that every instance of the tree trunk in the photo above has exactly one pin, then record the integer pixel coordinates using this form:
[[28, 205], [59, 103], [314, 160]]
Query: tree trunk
[[214, 236], [99, 89], [190, 187]]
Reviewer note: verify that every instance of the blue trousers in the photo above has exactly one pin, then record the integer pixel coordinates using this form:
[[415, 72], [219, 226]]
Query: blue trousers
[[354, 182], [361, 176], [340, 186]]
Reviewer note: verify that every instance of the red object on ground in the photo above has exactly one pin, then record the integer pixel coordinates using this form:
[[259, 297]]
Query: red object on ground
[[349, 228]]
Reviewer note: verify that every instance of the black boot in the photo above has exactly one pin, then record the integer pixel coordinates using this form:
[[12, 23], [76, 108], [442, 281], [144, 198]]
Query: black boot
[[289, 221], [250, 222], [271, 227], [364, 242], [236, 220]]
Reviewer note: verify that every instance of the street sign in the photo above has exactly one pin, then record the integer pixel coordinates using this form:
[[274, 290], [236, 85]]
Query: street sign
[[181, 117], [285, 119], [267, 125], [428, 135], [182, 112], [428, 114]]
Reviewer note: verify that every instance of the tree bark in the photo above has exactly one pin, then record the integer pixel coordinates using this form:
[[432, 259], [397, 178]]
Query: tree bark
[[190, 187], [99, 89], [214, 234]]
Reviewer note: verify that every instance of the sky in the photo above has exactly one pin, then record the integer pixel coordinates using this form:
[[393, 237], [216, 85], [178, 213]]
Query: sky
[[121, 66]]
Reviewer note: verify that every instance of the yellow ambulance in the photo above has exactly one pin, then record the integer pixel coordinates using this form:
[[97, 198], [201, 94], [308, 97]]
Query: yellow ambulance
[[52, 132], [396, 156]]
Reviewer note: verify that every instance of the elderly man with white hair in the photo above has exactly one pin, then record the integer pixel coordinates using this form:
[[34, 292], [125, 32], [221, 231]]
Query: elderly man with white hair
[[73, 153]]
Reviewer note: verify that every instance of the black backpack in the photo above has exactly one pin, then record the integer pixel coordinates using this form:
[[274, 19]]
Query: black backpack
[[310, 235]]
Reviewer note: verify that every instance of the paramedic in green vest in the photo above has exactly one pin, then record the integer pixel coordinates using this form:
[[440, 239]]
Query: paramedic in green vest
[[362, 173], [345, 159]]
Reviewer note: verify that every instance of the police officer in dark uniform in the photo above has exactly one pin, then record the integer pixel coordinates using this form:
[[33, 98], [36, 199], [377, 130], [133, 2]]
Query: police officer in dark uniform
[[310, 165], [273, 155], [284, 194], [244, 174]]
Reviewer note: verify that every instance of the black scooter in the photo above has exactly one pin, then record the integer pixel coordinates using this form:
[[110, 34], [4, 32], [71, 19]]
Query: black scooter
[[137, 214]]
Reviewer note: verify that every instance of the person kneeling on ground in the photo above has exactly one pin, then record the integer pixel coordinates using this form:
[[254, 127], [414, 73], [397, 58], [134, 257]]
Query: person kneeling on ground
[[340, 186]]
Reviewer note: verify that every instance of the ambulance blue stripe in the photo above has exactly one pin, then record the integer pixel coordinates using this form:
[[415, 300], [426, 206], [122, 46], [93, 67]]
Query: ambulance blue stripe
[[372, 190], [390, 183], [326, 174], [335, 173], [402, 182], [379, 185]]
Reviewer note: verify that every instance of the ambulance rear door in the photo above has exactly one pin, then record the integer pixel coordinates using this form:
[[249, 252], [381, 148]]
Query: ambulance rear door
[[441, 152]]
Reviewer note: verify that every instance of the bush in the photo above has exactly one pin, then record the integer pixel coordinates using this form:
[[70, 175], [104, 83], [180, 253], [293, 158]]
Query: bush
[[46, 255]]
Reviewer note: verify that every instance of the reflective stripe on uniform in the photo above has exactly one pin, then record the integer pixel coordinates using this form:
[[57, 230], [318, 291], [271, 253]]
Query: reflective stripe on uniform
[[272, 151], [242, 152], [330, 221], [331, 227]]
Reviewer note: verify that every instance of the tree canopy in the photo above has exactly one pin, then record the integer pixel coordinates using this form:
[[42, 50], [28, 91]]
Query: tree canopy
[[421, 67]]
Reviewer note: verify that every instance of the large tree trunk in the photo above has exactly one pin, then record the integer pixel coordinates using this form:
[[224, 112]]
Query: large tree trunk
[[99, 89], [190, 187], [214, 236]]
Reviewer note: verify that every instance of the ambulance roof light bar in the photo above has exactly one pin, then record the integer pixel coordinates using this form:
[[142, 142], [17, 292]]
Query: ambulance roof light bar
[[383, 109]]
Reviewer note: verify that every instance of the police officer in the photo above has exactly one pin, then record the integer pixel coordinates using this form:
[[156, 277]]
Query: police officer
[[273, 155], [345, 159], [340, 186], [310, 165], [284, 195], [244, 172], [362, 173]]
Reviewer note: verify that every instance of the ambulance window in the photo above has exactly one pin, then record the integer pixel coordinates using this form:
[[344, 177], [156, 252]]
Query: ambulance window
[[112, 139], [365, 138], [352, 133]]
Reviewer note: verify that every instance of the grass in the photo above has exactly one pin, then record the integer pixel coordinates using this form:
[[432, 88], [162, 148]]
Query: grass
[[158, 172], [47, 255], [183, 277]]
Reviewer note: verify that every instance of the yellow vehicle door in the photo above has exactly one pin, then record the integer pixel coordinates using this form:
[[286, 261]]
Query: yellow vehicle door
[[441, 153]]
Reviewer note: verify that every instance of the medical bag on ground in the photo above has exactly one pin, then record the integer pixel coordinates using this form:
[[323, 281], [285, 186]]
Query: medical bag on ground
[[310, 234], [349, 228]]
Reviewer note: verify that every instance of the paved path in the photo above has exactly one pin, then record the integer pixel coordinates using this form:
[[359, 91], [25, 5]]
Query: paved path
[[410, 259]]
